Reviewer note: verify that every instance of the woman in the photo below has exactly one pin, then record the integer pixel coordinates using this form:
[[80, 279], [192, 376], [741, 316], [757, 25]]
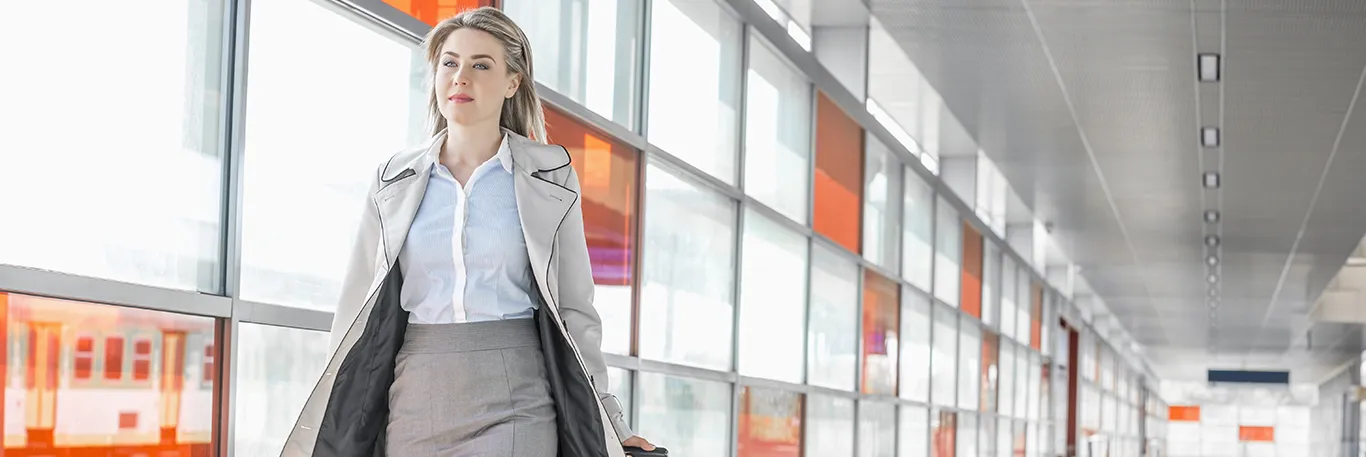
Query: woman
[[466, 325]]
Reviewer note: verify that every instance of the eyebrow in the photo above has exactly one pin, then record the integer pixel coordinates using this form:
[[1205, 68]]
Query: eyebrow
[[476, 56]]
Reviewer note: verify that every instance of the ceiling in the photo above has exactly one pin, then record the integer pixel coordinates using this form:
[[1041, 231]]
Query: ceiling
[[1092, 111]]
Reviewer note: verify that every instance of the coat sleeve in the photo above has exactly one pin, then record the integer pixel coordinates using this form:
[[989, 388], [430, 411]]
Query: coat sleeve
[[360, 266], [576, 305]]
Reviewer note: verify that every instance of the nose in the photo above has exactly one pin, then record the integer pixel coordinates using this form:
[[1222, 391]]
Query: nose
[[459, 78]]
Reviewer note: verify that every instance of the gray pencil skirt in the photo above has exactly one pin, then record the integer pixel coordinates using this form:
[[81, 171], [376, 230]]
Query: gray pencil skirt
[[474, 389]]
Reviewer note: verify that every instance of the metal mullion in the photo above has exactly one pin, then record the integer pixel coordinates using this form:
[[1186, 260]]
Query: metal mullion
[[737, 289], [227, 345], [777, 217], [597, 123], [683, 169], [284, 316], [666, 368], [67, 286], [642, 103]]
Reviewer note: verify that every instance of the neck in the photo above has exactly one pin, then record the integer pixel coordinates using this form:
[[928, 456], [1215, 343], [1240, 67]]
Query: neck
[[471, 144]]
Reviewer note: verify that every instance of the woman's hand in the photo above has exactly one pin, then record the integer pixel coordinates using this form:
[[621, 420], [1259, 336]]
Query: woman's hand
[[639, 442]]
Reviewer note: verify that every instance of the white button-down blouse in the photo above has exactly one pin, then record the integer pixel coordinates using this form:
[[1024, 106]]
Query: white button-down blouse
[[465, 258]]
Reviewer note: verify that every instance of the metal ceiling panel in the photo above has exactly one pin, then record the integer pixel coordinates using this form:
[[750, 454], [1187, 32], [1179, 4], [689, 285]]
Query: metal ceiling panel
[[1092, 111]]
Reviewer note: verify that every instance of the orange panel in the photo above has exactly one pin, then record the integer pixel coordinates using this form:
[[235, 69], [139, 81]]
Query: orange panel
[[971, 298], [434, 11], [1183, 414], [944, 435], [881, 324], [1036, 316], [989, 354], [607, 180], [839, 175], [770, 423], [1250, 433]]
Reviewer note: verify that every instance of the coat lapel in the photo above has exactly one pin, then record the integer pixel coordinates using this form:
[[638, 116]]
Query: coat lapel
[[542, 206]]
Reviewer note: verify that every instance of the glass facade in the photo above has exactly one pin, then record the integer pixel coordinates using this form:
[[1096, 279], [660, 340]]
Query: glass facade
[[775, 275]]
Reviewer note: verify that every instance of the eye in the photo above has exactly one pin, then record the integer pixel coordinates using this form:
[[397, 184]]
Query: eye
[[481, 66], [448, 63]]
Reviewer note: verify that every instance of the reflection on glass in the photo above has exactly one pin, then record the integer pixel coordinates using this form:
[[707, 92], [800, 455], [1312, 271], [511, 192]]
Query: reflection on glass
[[89, 379], [916, 344], [295, 158], [967, 435], [607, 184], [989, 370], [777, 133], [687, 299], [917, 244], [969, 363], [839, 174], [829, 426], [877, 429], [832, 337], [1005, 438], [702, 53], [692, 416], [943, 434], [881, 211], [770, 423], [772, 310], [276, 370], [948, 250], [1005, 402], [1008, 295], [585, 50], [881, 325], [157, 108], [945, 355], [914, 432]]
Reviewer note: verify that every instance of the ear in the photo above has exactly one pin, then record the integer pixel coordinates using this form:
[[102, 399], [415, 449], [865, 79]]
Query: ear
[[514, 83]]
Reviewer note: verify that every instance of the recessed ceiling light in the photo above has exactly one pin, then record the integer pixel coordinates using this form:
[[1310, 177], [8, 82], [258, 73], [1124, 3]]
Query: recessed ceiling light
[[1211, 216], [1212, 260], [1209, 67], [1209, 137], [1212, 240], [1211, 180], [1212, 278]]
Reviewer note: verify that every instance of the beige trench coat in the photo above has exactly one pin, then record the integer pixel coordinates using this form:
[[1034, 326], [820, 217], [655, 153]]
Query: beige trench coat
[[347, 412]]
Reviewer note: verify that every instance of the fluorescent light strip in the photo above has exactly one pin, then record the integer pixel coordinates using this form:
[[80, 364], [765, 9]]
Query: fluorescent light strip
[[1211, 180], [1209, 137], [1209, 67]]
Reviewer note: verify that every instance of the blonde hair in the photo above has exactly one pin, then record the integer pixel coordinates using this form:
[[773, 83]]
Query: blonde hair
[[522, 113]]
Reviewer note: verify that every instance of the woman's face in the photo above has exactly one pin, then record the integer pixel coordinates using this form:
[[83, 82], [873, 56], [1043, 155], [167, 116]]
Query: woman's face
[[472, 78]]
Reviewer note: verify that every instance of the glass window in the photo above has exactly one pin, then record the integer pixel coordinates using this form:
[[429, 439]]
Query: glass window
[[1022, 304], [1005, 383], [1008, 295], [297, 258], [945, 357], [917, 248], [619, 383], [969, 363], [829, 426], [943, 434], [1035, 315], [916, 345], [687, 300], [967, 435], [433, 11], [1023, 374], [275, 372], [772, 311], [79, 210], [585, 50], [881, 310], [777, 133], [948, 253], [1005, 438], [971, 295], [915, 432], [989, 370], [687, 416], [877, 429], [770, 423], [881, 216], [991, 274], [44, 407], [607, 184], [839, 176], [699, 124], [832, 360]]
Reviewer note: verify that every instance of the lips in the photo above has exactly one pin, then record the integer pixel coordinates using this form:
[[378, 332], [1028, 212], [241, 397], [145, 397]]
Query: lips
[[460, 98]]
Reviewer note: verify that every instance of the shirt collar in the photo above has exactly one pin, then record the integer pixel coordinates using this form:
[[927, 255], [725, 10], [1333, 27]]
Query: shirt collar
[[504, 154]]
